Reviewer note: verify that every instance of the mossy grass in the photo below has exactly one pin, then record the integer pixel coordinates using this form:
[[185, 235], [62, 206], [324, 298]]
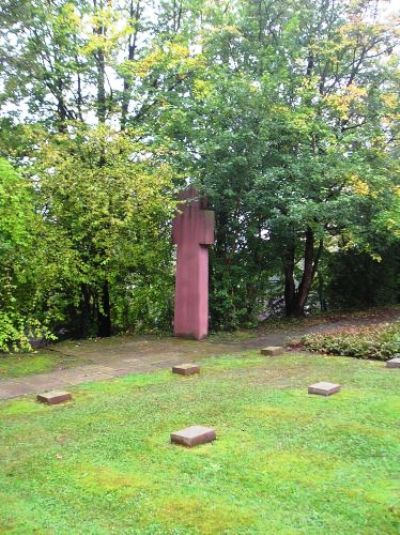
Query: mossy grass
[[284, 462], [22, 364]]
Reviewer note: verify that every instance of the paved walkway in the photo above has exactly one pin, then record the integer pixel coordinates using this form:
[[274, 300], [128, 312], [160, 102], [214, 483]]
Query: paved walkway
[[115, 357]]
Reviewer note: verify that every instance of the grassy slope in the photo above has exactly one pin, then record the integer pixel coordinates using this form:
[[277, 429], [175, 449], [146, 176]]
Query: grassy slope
[[284, 462]]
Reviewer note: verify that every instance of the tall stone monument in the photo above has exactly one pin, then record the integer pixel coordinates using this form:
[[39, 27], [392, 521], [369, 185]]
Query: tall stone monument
[[192, 231]]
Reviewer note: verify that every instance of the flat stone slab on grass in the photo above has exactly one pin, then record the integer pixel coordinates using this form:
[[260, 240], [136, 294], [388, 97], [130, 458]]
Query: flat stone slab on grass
[[54, 397], [186, 369], [272, 351], [193, 436], [393, 363], [323, 389]]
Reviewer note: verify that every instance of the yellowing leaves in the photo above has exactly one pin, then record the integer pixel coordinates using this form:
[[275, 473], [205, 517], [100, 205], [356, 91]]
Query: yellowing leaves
[[376, 256], [391, 100], [359, 186], [202, 89], [143, 68], [69, 16], [171, 57], [104, 31], [393, 226], [391, 103], [350, 98]]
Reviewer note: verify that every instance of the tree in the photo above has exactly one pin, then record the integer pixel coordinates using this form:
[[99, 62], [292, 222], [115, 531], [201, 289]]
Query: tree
[[285, 113], [107, 198], [292, 137], [18, 321], [94, 156]]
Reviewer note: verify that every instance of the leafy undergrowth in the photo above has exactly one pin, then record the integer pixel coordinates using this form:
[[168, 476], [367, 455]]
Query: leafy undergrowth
[[21, 364], [284, 462], [380, 341]]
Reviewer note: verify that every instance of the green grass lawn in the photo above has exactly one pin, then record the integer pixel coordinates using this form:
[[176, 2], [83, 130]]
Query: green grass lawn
[[284, 462], [20, 364]]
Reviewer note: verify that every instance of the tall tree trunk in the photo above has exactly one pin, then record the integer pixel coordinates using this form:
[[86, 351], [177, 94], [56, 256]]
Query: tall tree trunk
[[290, 287], [308, 273], [295, 300], [101, 102], [288, 271], [61, 108], [105, 314], [84, 316], [134, 14], [104, 311], [101, 87]]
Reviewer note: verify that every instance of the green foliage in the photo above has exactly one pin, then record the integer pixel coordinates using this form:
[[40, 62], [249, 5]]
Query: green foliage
[[108, 200], [357, 280], [285, 114], [377, 342], [292, 144], [18, 321], [102, 251], [16, 211], [13, 336]]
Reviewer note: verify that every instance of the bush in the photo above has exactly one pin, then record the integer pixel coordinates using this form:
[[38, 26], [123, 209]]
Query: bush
[[376, 342], [17, 332]]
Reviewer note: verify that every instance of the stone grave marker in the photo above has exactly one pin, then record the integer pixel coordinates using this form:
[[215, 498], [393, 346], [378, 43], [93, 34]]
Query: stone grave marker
[[272, 351], [54, 397], [324, 388], [193, 436], [186, 369]]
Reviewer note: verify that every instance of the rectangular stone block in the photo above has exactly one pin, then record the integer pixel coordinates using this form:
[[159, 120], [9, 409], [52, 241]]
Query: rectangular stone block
[[393, 363], [323, 389], [54, 397], [186, 369], [193, 436], [272, 351]]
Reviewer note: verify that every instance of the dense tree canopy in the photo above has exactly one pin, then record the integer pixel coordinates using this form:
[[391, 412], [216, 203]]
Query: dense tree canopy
[[297, 140], [284, 113]]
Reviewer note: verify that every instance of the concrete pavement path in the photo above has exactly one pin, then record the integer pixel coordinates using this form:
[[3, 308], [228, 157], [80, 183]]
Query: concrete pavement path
[[119, 356]]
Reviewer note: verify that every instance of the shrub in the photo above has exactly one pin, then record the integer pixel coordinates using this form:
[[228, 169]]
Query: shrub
[[378, 342], [17, 332]]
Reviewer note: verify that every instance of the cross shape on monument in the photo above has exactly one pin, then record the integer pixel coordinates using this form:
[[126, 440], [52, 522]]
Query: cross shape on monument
[[192, 232]]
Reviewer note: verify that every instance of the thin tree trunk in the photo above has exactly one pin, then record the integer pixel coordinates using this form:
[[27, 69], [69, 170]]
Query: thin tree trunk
[[101, 72], [134, 13], [85, 317], [290, 287], [308, 270], [295, 300], [104, 311], [105, 314]]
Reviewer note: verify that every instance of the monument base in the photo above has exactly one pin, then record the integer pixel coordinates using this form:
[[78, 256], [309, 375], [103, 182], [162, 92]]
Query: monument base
[[188, 336]]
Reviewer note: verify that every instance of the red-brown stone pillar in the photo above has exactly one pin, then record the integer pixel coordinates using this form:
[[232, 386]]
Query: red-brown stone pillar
[[192, 232]]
